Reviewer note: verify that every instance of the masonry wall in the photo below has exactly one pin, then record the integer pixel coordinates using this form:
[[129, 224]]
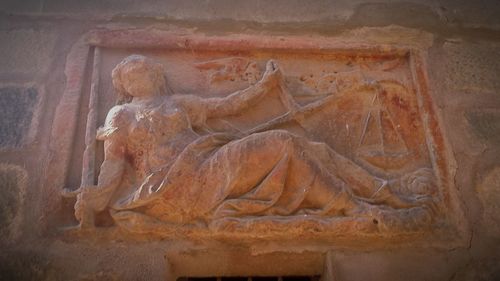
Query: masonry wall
[[463, 38]]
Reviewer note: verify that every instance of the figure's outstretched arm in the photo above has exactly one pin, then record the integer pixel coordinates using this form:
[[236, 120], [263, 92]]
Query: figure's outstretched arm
[[240, 100]]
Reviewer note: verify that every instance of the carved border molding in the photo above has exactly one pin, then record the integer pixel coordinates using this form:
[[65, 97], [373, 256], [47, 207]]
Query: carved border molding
[[77, 64]]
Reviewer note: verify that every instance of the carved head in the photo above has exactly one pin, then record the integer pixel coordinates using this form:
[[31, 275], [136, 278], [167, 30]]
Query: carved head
[[138, 76]]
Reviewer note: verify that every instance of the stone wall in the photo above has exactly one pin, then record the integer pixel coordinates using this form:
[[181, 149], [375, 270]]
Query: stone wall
[[462, 45]]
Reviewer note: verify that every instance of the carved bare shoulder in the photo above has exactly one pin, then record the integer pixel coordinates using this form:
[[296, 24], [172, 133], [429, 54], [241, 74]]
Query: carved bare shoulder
[[117, 120], [118, 114]]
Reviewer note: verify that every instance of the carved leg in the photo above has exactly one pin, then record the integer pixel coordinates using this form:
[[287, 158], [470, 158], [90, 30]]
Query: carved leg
[[400, 193], [360, 181], [247, 166], [254, 175]]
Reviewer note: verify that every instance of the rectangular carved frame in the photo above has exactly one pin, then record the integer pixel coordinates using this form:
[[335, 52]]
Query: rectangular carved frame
[[66, 116]]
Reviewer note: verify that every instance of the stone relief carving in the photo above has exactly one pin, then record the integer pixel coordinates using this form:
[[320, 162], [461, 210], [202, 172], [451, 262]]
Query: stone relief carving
[[166, 166], [232, 69]]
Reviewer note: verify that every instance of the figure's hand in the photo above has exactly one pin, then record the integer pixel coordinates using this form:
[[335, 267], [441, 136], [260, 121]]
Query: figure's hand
[[272, 76], [70, 193]]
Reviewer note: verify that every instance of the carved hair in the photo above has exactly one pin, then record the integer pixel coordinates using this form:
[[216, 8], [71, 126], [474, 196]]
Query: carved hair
[[142, 61]]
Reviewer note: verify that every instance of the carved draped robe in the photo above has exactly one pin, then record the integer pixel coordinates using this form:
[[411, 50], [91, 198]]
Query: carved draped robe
[[273, 173]]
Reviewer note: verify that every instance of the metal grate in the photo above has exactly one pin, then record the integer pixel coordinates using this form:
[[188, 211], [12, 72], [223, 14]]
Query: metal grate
[[252, 278]]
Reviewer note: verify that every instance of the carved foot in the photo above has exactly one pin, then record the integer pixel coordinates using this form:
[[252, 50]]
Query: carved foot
[[412, 190], [418, 183], [386, 195]]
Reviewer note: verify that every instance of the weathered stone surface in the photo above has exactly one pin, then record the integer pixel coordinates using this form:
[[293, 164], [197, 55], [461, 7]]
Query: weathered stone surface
[[25, 265], [483, 270], [382, 14], [485, 124], [472, 68], [17, 106], [451, 12], [488, 190], [26, 52], [61, 263], [13, 183], [239, 10], [28, 6], [396, 265]]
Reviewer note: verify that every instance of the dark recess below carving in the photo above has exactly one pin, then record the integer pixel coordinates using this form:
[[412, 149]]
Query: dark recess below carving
[[16, 112]]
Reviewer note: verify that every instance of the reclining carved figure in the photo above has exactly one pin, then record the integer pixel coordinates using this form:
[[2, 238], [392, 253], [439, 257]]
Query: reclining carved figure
[[157, 166]]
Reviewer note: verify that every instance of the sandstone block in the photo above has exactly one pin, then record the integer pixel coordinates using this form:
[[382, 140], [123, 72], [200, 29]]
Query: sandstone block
[[26, 51], [13, 181]]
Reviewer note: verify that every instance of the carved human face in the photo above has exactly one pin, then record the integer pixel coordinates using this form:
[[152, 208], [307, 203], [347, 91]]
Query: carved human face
[[140, 79]]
